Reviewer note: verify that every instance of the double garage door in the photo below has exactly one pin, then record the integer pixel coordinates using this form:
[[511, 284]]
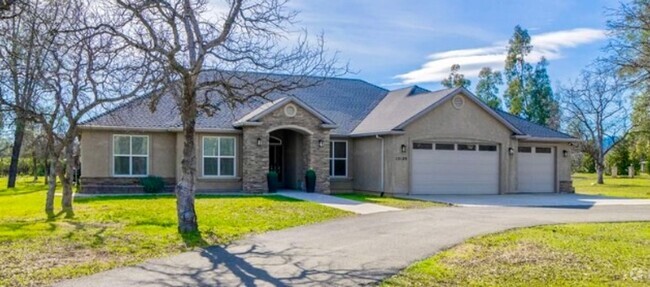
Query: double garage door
[[454, 168], [459, 168]]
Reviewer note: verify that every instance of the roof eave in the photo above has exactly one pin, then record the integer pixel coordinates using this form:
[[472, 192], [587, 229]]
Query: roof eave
[[545, 139], [377, 133]]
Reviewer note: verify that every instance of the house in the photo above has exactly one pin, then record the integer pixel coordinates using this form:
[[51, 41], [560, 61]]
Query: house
[[355, 135]]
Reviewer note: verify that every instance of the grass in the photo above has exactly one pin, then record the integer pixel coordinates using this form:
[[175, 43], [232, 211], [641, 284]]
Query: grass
[[603, 254], [109, 232], [391, 201], [637, 187]]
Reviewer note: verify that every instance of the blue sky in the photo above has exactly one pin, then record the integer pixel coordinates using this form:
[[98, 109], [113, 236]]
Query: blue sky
[[401, 43]]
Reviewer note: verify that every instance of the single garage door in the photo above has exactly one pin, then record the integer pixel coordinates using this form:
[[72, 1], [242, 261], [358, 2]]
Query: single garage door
[[454, 168], [535, 169]]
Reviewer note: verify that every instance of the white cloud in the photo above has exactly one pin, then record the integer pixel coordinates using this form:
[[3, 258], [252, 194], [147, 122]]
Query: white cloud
[[547, 45]]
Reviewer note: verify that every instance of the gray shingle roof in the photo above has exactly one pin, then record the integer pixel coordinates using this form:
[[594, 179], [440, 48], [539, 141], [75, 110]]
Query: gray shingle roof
[[532, 129], [345, 101], [355, 106]]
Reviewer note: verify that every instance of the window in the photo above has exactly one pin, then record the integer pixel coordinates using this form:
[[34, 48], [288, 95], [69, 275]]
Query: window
[[487, 148], [338, 158], [444, 146], [219, 156], [542, 150], [422, 146], [130, 155], [467, 147], [525, 149]]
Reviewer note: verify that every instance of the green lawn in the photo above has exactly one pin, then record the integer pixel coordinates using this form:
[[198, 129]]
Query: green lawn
[[391, 201], [637, 187], [109, 232], [604, 254]]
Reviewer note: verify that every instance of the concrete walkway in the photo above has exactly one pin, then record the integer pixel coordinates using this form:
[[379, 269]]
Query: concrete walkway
[[338, 202], [532, 200], [348, 252]]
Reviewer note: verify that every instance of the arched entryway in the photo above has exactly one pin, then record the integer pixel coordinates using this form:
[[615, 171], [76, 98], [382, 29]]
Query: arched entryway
[[288, 151]]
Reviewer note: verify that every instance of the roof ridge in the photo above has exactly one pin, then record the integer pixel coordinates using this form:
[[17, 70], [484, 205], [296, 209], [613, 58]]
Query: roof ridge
[[294, 75]]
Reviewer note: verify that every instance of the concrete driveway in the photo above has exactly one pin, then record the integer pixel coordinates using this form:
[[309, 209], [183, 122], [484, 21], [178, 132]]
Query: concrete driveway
[[352, 251], [532, 200]]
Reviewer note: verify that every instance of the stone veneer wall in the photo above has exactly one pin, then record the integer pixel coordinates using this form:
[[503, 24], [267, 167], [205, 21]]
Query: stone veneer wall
[[566, 186], [118, 185], [255, 159]]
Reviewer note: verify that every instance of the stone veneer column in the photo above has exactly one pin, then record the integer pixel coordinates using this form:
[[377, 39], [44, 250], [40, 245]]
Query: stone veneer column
[[319, 161], [255, 160]]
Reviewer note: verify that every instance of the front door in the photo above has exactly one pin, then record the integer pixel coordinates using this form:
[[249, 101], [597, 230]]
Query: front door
[[276, 159]]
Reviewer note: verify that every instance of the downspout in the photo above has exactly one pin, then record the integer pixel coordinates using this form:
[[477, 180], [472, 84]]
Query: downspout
[[382, 163]]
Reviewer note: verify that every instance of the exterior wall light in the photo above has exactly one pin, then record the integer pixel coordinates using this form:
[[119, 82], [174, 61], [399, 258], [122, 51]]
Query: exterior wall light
[[259, 141], [511, 151], [320, 143], [565, 153], [403, 148]]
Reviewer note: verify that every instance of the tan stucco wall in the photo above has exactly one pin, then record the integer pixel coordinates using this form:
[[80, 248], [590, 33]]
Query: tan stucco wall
[[366, 164], [211, 184], [97, 153], [470, 124]]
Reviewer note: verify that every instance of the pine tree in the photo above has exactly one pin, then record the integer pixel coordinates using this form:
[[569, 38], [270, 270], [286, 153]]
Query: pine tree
[[487, 88], [541, 106]]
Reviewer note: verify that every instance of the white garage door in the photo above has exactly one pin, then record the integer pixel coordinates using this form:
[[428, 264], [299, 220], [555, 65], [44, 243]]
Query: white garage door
[[450, 168], [535, 169]]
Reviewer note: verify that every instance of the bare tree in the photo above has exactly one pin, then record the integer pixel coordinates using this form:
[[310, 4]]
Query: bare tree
[[23, 47], [88, 71], [594, 105], [201, 46]]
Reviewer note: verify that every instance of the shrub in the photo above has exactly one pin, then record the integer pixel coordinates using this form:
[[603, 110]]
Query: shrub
[[152, 184]]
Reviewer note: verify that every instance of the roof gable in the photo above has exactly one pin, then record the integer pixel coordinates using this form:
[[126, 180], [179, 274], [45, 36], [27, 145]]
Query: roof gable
[[256, 115], [469, 96]]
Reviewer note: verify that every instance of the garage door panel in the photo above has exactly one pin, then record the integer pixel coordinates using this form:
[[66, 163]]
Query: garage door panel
[[454, 172], [536, 172]]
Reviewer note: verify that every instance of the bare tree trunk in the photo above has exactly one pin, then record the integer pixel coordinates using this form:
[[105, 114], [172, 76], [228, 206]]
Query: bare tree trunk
[[599, 171], [47, 171], [600, 167], [51, 188], [19, 134], [34, 165], [187, 221], [66, 180]]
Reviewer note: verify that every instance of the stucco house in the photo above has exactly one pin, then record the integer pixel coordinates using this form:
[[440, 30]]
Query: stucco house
[[355, 135]]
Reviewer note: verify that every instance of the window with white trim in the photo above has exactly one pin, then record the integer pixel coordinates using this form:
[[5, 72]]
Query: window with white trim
[[338, 158], [219, 156], [130, 155]]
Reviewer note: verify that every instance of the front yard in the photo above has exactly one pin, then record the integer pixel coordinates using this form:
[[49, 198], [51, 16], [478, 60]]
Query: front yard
[[604, 254], [109, 232], [637, 187]]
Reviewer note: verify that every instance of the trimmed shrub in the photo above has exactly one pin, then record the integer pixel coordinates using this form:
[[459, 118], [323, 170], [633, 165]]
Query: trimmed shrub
[[272, 181], [152, 184]]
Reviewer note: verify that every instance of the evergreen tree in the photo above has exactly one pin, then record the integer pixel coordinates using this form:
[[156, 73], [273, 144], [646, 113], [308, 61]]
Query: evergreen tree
[[487, 88], [541, 108], [456, 79], [517, 71]]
